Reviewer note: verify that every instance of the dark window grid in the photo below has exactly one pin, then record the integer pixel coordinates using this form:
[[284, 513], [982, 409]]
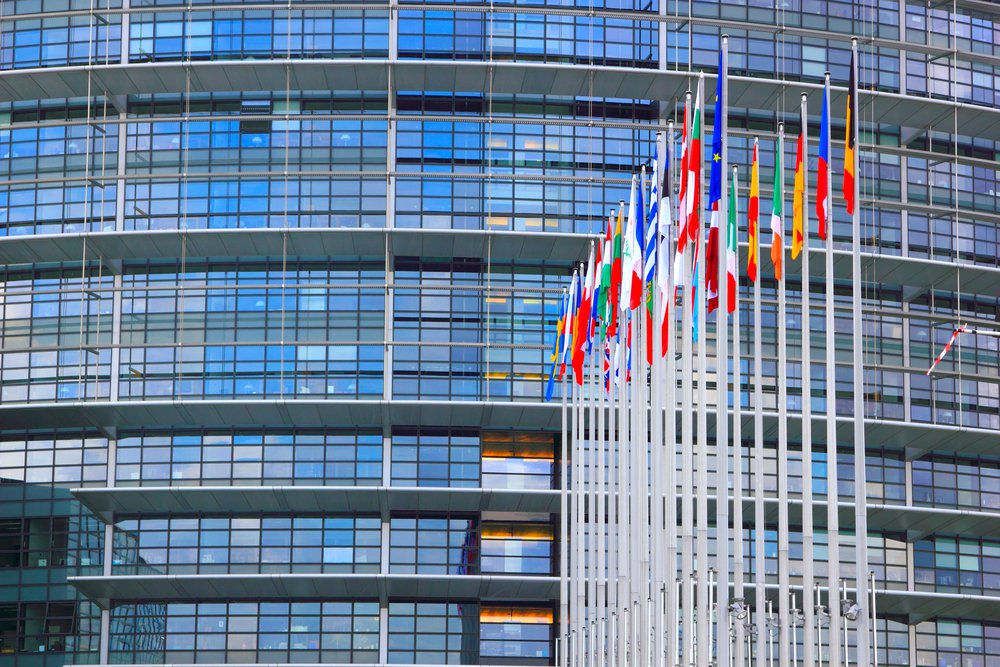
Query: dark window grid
[[524, 643], [57, 41], [244, 203], [581, 39], [255, 544], [59, 150], [16, 7], [52, 209], [433, 632], [957, 482], [957, 642], [265, 370], [964, 565], [246, 632], [440, 544], [518, 549], [436, 458], [231, 145], [332, 458], [838, 16], [313, 33], [65, 541], [518, 461], [61, 460], [58, 626]]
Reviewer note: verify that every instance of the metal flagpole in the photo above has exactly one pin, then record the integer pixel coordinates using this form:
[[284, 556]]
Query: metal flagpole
[[656, 436], [704, 641], [783, 561], [759, 526], [687, 441], [593, 541], [579, 578], [613, 446], [860, 479], [722, 386], [671, 575], [807, 491], [564, 525], [640, 458], [738, 574], [832, 495], [622, 508], [599, 495]]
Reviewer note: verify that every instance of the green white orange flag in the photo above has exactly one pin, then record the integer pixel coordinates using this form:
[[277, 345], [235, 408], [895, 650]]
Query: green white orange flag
[[777, 247]]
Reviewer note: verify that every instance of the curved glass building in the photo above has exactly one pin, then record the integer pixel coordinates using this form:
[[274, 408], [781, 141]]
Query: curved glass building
[[280, 281]]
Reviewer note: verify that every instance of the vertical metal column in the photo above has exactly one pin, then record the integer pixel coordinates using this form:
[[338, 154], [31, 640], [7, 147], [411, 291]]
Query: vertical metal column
[[784, 645]]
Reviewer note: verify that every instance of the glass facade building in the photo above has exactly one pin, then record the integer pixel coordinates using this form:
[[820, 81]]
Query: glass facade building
[[280, 279]]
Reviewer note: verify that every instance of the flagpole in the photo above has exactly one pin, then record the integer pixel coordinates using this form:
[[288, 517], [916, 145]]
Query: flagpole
[[784, 654], [671, 620], [738, 575], [722, 385], [860, 481], [590, 509], [623, 526], [704, 640], [656, 432], [832, 492], [600, 497], [593, 542], [640, 458], [612, 495], [759, 525], [807, 491], [687, 443], [578, 518], [564, 527]]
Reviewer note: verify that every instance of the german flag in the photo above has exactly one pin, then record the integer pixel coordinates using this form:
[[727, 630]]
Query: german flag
[[851, 140]]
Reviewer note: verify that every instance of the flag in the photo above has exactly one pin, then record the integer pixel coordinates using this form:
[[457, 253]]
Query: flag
[[607, 365], [731, 258], [798, 197], [638, 240], [652, 244], [652, 226], [679, 269], [714, 196], [616, 273], [595, 312], [753, 213], [631, 252], [691, 193], [664, 225], [777, 251], [583, 318], [850, 141], [603, 297], [555, 348], [822, 176], [568, 326]]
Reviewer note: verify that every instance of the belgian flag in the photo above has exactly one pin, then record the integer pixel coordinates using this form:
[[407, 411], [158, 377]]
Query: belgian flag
[[851, 140]]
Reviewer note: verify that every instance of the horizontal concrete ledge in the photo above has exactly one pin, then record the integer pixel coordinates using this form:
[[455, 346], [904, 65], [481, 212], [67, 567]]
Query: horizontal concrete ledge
[[915, 522], [914, 274], [911, 606], [109, 502], [110, 417], [470, 76], [105, 590], [310, 243]]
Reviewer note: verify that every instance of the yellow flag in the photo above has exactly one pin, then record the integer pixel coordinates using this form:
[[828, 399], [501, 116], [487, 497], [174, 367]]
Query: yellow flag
[[798, 200]]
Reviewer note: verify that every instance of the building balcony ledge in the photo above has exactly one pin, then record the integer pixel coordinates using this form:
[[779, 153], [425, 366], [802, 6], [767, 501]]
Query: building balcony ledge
[[108, 503], [104, 590]]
